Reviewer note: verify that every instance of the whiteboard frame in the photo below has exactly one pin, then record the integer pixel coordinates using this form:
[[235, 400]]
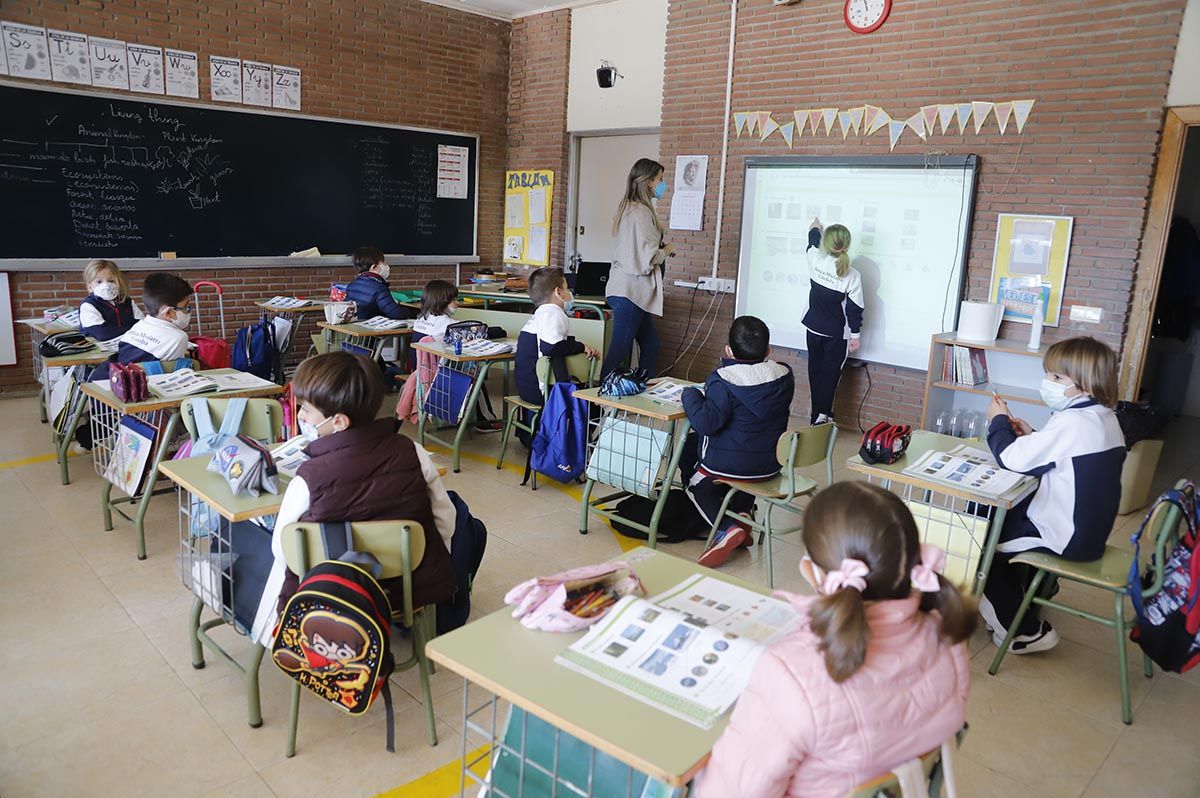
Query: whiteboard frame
[[56, 264], [969, 163]]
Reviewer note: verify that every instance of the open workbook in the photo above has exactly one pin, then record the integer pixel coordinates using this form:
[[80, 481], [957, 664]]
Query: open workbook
[[967, 468], [688, 651], [186, 382]]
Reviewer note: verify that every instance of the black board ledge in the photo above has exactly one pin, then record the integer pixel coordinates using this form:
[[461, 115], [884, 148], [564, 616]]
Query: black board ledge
[[186, 264]]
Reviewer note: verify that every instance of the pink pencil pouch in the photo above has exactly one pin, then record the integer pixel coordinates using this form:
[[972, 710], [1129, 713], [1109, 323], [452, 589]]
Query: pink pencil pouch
[[540, 603]]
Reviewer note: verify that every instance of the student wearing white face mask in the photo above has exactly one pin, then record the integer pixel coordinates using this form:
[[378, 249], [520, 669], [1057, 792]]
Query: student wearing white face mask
[[107, 311], [1078, 457], [162, 334]]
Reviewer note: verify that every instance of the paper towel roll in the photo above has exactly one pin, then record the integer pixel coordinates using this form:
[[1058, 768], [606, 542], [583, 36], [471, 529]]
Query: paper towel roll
[[979, 321]]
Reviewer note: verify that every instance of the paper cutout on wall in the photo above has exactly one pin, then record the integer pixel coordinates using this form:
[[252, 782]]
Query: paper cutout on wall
[[1003, 111], [801, 118], [768, 127], [1021, 109], [917, 123], [881, 120], [856, 117], [739, 123], [763, 116], [981, 111], [963, 113], [828, 116], [787, 130], [945, 114], [895, 129], [929, 114], [844, 123], [751, 122], [814, 119], [870, 114]]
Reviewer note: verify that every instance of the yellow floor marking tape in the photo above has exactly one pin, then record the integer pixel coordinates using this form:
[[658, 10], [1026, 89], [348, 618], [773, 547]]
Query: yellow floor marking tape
[[443, 782]]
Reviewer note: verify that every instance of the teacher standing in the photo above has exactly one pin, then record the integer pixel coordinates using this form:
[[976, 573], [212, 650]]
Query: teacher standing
[[635, 282]]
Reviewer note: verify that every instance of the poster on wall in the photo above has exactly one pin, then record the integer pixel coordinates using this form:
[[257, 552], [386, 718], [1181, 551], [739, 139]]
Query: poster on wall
[[69, 57], [528, 195], [110, 70], [25, 46], [225, 79], [687, 201], [182, 72], [452, 178], [256, 83], [1030, 263], [145, 68], [285, 88]]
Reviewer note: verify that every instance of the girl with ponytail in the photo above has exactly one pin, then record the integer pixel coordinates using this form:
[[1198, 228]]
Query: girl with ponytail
[[835, 302], [876, 674]]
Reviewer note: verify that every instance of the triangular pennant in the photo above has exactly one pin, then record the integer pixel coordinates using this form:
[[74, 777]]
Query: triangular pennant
[[945, 114], [1021, 109], [870, 114], [739, 122], [845, 123], [787, 129], [828, 116], [814, 119], [881, 120], [768, 127], [856, 117], [917, 123], [981, 111], [963, 112], [929, 114], [894, 131], [1003, 111], [751, 122], [763, 116]]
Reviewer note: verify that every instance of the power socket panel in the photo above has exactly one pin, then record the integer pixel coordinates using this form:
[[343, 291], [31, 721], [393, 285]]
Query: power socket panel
[[719, 284]]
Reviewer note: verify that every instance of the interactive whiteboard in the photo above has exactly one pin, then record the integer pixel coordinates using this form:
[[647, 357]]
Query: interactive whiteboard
[[909, 220]]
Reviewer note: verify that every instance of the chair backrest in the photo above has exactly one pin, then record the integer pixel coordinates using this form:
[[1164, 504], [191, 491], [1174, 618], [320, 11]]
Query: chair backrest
[[806, 446], [168, 366], [1164, 529], [263, 419], [581, 367], [398, 545], [937, 767]]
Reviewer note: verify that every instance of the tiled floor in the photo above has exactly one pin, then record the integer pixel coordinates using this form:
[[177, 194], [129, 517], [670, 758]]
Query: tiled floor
[[102, 698]]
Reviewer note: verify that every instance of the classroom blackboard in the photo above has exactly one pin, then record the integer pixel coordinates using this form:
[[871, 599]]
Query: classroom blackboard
[[86, 176]]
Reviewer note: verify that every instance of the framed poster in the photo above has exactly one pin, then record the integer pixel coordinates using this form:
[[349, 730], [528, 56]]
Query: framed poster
[[1030, 263]]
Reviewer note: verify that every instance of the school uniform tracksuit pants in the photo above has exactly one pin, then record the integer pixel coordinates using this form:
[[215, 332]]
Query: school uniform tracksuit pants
[[826, 356], [703, 489]]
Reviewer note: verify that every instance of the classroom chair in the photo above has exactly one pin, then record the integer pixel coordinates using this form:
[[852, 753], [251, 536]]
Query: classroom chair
[[1111, 573], [399, 547], [581, 367], [263, 420], [928, 773], [798, 448]]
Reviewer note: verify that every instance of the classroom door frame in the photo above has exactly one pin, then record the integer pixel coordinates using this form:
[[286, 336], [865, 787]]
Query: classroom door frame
[[574, 145], [1154, 245]]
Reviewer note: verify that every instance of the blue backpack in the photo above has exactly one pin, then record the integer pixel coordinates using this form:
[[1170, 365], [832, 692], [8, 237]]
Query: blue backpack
[[256, 352], [559, 448]]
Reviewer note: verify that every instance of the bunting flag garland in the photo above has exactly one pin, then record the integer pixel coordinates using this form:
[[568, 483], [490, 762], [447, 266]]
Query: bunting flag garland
[[768, 127], [814, 119], [881, 120], [763, 116], [828, 116], [917, 123], [963, 112], [870, 114], [929, 113], [1003, 112], [752, 122], [801, 118], [895, 129], [786, 130], [981, 111], [1021, 109], [739, 122], [945, 114], [845, 123], [856, 117]]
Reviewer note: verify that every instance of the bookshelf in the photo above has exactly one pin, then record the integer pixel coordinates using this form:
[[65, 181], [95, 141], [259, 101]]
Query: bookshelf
[[1014, 370]]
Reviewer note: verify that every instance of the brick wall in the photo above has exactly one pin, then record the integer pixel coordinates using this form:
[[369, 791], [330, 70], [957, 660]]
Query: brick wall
[[537, 107], [1099, 73], [394, 61]]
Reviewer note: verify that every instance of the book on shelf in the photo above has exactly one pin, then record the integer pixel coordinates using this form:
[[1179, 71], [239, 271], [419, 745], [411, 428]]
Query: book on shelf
[[969, 366]]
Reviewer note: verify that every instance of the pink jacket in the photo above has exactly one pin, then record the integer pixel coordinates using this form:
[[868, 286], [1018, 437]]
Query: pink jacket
[[795, 732], [406, 408]]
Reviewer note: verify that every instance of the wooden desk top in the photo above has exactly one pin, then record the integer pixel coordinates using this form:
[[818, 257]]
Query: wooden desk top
[[353, 328], [518, 665], [447, 351], [923, 442], [318, 306], [663, 411], [91, 357], [105, 395]]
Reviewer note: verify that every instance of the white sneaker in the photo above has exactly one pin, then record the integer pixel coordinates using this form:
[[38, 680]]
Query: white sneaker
[[1044, 640], [990, 619], [822, 419]]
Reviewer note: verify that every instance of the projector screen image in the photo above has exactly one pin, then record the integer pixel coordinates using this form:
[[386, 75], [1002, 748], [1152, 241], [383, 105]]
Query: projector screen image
[[909, 230]]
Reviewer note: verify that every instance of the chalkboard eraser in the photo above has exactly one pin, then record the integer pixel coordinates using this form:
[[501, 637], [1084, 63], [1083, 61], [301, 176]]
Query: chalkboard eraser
[[167, 255], [311, 252]]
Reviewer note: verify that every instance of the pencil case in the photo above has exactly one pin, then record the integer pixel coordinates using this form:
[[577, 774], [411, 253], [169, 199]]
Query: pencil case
[[541, 603]]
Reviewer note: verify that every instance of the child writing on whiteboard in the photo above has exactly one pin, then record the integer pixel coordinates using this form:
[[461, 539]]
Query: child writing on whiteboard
[[835, 302]]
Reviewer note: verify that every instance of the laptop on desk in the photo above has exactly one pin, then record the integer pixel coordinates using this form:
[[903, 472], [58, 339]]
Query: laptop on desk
[[592, 278]]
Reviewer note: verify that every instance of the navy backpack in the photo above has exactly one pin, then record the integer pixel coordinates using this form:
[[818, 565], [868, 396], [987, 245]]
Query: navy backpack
[[256, 352], [466, 552], [559, 448]]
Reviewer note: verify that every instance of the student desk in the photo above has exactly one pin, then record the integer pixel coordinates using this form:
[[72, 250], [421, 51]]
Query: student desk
[[517, 665], [294, 315], [594, 304], [163, 416], [74, 405], [476, 364], [40, 328], [357, 335], [654, 456], [946, 510]]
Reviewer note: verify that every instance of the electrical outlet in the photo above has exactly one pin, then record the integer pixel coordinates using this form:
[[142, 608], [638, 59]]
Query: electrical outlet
[[1083, 313], [717, 284]]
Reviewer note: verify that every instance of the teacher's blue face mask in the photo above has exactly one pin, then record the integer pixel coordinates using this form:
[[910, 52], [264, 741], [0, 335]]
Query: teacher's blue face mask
[[660, 189]]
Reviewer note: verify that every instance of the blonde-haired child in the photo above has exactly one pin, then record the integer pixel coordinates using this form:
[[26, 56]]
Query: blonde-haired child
[[835, 302], [877, 672], [107, 311], [1078, 456]]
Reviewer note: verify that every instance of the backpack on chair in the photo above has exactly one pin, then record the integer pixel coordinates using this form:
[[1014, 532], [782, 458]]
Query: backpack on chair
[[256, 352], [559, 447], [334, 635]]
